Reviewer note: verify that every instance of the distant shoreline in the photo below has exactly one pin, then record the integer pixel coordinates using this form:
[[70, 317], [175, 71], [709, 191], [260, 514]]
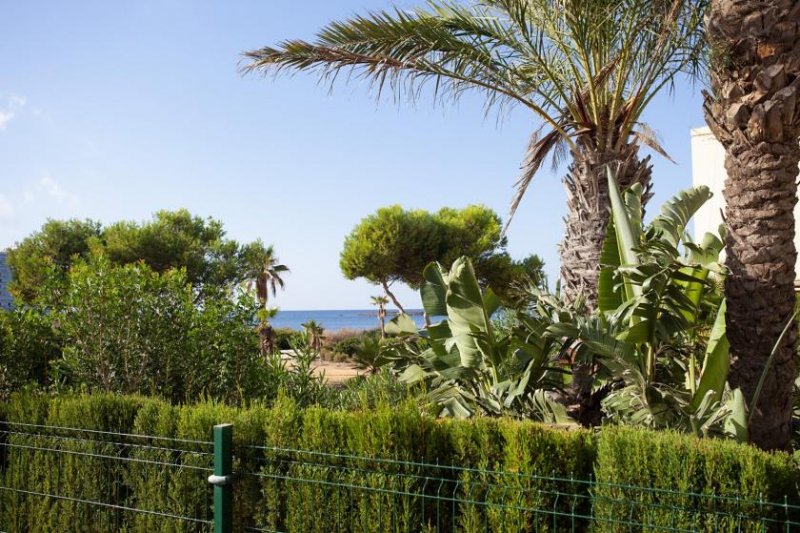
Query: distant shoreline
[[338, 319]]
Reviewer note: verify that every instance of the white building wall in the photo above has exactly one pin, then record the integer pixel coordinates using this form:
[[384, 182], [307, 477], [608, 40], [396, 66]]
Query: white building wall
[[708, 168]]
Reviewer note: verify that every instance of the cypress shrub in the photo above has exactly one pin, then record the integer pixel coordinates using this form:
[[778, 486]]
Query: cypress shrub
[[518, 471], [692, 484], [84, 469], [383, 470]]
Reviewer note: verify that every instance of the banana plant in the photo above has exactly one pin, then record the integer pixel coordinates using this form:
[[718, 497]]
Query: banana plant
[[659, 295], [469, 367]]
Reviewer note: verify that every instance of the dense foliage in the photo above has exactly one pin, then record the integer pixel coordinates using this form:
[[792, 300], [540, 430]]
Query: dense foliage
[[129, 329], [542, 460], [171, 240], [653, 354], [395, 245]]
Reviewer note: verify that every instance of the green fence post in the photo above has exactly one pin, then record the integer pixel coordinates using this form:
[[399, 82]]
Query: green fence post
[[222, 479]]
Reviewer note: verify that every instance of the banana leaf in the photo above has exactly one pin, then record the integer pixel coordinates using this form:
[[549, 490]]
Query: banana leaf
[[434, 290], [627, 233], [469, 320], [715, 364], [401, 325], [608, 296], [676, 213]]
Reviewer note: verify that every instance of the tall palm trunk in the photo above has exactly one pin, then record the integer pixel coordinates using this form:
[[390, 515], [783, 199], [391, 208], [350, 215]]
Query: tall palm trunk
[[755, 113], [382, 318], [587, 217], [266, 339]]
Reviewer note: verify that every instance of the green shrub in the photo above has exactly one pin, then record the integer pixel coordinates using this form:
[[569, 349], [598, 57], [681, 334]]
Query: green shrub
[[524, 466], [285, 338], [366, 392], [29, 342], [126, 328], [81, 473], [350, 344], [372, 470], [722, 476]]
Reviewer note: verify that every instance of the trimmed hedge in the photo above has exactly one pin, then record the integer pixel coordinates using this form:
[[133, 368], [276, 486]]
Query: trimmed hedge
[[712, 477], [535, 461]]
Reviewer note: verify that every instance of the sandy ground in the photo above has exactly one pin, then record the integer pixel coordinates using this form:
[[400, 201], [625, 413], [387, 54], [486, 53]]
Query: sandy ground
[[335, 373]]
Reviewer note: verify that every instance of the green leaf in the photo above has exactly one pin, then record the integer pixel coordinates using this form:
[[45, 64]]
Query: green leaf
[[626, 233], [715, 364], [491, 303], [736, 424], [675, 214], [412, 375], [434, 290], [466, 315], [692, 281], [638, 333], [401, 325], [609, 299]]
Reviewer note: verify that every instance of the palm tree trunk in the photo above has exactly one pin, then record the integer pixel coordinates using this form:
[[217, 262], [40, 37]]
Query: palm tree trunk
[[755, 114], [382, 319], [267, 339], [392, 297], [588, 213]]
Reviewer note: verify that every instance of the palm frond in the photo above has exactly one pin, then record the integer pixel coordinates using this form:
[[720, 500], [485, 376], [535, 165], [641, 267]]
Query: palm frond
[[646, 136], [586, 69], [539, 148]]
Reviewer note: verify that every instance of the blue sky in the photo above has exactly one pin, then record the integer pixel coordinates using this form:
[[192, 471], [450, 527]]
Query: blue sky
[[112, 110]]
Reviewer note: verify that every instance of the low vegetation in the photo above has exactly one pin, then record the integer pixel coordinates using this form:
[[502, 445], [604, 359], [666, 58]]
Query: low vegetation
[[543, 460]]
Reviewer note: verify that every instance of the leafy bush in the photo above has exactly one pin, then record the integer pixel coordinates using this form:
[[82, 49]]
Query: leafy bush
[[367, 392], [126, 328], [131, 330], [29, 342], [468, 366], [348, 341], [224, 358], [285, 337]]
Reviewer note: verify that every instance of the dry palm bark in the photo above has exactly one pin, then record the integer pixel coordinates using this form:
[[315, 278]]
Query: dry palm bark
[[755, 113], [588, 207]]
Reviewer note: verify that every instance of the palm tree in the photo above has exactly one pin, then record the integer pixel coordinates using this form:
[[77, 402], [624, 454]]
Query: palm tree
[[586, 69], [264, 274], [381, 302], [754, 111], [315, 333], [265, 332]]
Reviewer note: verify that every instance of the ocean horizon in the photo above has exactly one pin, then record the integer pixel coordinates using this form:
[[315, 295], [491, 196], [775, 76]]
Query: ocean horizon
[[336, 319]]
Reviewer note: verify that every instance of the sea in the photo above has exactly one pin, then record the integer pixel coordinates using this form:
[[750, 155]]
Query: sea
[[336, 319]]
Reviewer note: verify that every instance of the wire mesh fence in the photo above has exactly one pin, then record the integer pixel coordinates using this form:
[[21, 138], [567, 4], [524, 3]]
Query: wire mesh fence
[[68, 479], [338, 492]]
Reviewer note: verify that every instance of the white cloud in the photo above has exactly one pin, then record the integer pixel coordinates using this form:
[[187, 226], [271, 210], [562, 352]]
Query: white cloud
[[16, 100], [52, 189], [9, 105], [5, 118]]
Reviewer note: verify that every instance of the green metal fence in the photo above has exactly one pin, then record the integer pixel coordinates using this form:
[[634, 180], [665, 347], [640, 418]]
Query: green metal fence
[[69, 479]]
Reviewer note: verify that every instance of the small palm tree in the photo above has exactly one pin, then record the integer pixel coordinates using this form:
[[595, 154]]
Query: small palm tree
[[265, 331], [585, 69], [264, 274], [316, 334], [369, 355], [381, 302]]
